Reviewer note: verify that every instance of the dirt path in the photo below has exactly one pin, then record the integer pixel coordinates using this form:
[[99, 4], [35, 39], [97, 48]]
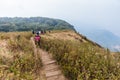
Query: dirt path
[[50, 70]]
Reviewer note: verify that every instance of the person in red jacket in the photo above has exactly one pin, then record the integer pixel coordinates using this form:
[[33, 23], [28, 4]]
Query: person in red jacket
[[37, 39]]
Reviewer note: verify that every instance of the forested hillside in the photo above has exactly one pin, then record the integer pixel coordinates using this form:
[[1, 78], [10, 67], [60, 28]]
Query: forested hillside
[[33, 23]]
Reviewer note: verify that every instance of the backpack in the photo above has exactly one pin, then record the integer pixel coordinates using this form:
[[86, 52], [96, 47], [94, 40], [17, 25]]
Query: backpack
[[37, 38]]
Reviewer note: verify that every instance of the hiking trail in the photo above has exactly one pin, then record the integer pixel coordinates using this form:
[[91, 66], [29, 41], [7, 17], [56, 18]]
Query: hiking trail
[[50, 69]]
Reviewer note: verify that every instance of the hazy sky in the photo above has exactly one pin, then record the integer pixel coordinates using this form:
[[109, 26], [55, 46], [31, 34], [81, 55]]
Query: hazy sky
[[92, 13]]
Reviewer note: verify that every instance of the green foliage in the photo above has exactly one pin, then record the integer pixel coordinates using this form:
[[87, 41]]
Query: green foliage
[[83, 61], [32, 23]]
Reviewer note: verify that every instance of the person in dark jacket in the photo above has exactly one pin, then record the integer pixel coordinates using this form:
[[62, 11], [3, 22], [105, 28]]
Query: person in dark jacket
[[33, 32]]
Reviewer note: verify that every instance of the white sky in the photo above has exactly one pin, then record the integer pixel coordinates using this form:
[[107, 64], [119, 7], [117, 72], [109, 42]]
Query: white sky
[[102, 13]]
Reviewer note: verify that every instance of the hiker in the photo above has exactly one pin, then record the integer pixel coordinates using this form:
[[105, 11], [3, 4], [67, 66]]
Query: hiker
[[37, 38], [42, 32], [33, 32], [49, 31], [39, 32]]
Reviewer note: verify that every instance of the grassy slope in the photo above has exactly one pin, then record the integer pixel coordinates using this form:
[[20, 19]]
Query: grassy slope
[[17, 60], [81, 59]]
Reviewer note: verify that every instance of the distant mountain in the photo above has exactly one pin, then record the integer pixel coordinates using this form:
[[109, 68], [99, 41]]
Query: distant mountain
[[37, 23], [103, 37]]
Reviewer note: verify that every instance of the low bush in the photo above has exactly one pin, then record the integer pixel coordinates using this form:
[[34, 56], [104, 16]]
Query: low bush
[[83, 61]]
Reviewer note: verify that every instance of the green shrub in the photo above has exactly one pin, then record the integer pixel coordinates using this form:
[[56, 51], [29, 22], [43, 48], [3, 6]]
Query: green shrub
[[82, 61]]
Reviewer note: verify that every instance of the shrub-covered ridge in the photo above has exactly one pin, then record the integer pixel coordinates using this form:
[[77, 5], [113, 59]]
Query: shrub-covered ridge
[[82, 60]]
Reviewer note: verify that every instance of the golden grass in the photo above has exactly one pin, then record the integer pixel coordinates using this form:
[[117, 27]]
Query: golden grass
[[64, 35], [17, 60], [81, 60]]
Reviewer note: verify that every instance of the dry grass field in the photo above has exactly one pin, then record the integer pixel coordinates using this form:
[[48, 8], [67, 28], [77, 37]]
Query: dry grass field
[[78, 57]]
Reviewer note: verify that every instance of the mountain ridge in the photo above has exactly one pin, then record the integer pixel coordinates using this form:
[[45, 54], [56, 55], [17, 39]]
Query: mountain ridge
[[103, 37], [32, 23]]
